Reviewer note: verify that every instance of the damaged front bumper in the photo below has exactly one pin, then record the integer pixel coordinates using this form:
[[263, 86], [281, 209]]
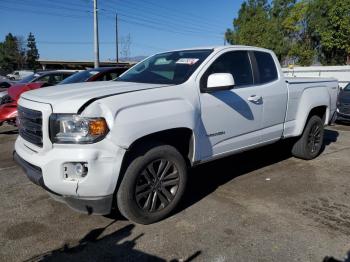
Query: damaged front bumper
[[91, 205], [91, 193]]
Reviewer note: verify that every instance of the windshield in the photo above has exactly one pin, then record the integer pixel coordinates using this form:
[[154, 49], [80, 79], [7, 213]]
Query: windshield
[[28, 79], [79, 77], [347, 88], [167, 68]]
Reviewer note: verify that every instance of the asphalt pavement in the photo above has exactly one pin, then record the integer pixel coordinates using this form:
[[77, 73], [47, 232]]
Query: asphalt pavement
[[262, 205]]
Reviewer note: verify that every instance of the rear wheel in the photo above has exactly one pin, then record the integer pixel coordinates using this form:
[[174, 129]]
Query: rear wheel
[[309, 145], [153, 185]]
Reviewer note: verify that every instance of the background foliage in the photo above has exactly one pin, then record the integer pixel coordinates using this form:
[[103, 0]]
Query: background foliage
[[300, 32], [16, 53]]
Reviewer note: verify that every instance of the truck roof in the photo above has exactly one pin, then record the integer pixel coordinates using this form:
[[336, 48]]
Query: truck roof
[[218, 48]]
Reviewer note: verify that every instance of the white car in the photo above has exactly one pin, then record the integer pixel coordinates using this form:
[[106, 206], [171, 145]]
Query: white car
[[18, 75], [129, 143]]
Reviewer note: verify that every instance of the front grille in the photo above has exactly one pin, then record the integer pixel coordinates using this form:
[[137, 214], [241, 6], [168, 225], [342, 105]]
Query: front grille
[[30, 125]]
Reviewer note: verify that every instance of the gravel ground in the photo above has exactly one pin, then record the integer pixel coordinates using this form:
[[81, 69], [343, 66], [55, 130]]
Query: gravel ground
[[263, 205]]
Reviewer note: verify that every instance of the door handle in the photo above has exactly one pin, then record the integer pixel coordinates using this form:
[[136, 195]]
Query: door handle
[[255, 99]]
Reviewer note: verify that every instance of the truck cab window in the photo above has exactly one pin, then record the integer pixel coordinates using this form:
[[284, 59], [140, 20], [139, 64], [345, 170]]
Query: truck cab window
[[266, 67], [236, 63]]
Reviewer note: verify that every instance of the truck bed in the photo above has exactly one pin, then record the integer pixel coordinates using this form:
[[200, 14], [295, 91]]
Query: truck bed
[[301, 80], [302, 93]]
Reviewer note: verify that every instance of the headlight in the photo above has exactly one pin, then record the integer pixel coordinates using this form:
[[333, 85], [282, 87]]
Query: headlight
[[75, 129]]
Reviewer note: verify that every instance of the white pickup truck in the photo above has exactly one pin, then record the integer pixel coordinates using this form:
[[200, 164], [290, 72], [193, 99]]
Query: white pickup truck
[[128, 143]]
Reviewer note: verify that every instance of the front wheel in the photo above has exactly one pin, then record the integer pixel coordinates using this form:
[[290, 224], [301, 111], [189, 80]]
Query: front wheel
[[153, 185], [309, 145]]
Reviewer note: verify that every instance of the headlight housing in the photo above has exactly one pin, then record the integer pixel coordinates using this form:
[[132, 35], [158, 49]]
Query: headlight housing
[[74, 129]]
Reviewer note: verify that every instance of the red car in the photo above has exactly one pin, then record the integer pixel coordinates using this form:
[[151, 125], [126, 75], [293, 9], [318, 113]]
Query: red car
[[8, 109], [96, 74], [8, 103]]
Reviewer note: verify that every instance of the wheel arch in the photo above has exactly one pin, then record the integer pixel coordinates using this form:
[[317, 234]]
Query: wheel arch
[[172, 137]]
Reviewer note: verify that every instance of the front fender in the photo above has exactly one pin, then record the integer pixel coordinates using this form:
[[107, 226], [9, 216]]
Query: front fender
[[134, 122]]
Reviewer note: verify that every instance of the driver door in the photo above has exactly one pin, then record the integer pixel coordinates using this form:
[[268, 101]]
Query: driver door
[[231, 118]]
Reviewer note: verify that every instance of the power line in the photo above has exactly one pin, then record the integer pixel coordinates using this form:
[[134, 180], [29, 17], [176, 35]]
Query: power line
[[150, 13], [152, 22], [124, 20], [174, 24], [183, 11], [168, 26], [133, 20], [45, 42], [51, 5], [175, 12], [7, 8]]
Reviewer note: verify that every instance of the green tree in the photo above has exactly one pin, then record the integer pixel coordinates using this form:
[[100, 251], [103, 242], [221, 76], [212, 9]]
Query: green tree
[[9, 54], [302, 31], [301, 43], [252, 26], [32, 53], [329, 21], [260, 24], [280, 36], [21, 54]]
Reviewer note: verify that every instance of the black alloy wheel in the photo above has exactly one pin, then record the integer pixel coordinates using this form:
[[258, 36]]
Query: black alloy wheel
[[153, 183], [309, 144], [156, 185], [314, 139]]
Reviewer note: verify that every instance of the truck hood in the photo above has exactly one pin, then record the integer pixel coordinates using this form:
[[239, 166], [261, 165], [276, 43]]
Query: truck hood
[[70, 98]]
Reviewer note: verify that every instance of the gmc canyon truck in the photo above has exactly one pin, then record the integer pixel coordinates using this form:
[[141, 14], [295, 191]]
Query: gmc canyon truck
[[127, 144]]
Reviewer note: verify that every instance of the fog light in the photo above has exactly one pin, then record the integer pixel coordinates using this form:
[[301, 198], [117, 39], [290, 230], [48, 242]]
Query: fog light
[[80, 169], [75, 170]]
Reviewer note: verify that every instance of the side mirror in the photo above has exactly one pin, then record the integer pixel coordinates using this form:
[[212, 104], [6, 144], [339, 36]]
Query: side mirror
[[220, 81]]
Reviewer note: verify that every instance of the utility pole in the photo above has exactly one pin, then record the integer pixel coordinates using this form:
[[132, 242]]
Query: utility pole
[[116, 37], [96, 41]]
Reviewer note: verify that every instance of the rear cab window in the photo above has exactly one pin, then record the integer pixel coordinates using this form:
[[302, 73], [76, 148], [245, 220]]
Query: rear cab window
[[266, 68]]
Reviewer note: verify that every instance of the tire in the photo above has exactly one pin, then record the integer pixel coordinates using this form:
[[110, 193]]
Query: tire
[[147, 194], [309, 145]]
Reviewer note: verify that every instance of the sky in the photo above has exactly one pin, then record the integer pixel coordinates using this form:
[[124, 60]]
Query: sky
[[64, 28]]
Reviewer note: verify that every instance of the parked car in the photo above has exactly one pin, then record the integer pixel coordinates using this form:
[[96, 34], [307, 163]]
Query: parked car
[[128, 143], [8, 103], [4, 85], [96, 74], [48, 78], [2, 77], [343, 110], [18, 75]]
